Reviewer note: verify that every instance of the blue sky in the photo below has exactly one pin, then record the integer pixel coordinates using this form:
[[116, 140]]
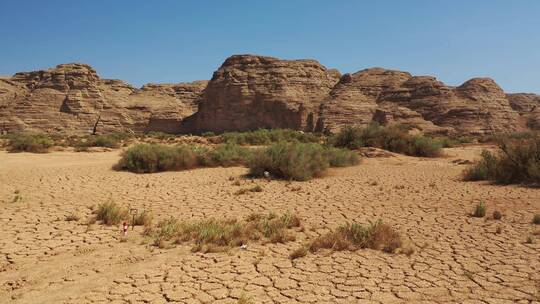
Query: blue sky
[[174, 41]]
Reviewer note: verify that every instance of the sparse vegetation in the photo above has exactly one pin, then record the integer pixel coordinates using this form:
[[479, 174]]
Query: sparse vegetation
[[393, 138], [536, 219], [112, 141], [219, 233], [142, 219], [479, 210], [269, 136], [223, 155], [149, 158], [298, 161], [110, 213], [29, 142], [497, 215], [517, 161], [376, 235]]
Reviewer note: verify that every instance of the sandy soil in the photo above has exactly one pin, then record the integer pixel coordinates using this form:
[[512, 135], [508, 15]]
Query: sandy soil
[[458, 259]]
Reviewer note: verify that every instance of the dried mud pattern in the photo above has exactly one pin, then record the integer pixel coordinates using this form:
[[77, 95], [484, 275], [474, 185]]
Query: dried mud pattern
[[458, 259]]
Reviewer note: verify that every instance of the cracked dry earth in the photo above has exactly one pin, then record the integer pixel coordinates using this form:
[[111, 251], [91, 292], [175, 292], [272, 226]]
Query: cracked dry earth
[[457, 258]]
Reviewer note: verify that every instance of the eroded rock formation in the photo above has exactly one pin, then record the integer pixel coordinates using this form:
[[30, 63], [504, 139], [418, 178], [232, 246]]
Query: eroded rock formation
[[479, 106], [249, 92], [70, 98], [528, 107]]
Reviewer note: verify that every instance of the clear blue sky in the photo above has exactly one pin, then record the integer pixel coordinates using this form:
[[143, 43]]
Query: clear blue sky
[[173, 41]]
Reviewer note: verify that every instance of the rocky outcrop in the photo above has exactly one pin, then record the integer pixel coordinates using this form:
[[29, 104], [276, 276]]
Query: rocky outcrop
[[249, 92], [71, 98], [479, 106], [528, 107]]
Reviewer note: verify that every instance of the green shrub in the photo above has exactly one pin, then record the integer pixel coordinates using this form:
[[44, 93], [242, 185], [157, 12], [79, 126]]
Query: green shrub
[[341, 157], [268, 136], [146, 158], [112, 141], [497, 215], [393, 138], [483, 169], [298, 161], [517, 161], [479, 210], [29, 142], [110, 213], [149, 158], [224, 155], [106, 141], [290, 161]]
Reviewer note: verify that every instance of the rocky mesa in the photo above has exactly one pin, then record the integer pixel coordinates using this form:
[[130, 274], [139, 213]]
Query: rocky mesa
[[249, 92]]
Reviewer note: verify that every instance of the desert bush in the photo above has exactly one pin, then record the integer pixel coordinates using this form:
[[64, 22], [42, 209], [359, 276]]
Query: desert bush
[[106, 141], [297, 161], [110, 213], [497, 215], [341, 157], [223, 155], [113, 141], [377, 235], [29, 142], [483, 169], [517, 161], [479, 210], [218, 233], [393, 138], [268, 136], [148, 158], [142, 219]]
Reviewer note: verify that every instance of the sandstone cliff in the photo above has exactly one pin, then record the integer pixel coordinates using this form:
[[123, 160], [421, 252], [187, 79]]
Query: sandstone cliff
[[528, 107], [479, 106], [249, 92], [71, 98]]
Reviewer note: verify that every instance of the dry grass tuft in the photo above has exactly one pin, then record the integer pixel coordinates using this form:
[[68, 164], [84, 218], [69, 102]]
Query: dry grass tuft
[[377, 235], [479, 210], [217, 235], [110, 213], [142, 219]]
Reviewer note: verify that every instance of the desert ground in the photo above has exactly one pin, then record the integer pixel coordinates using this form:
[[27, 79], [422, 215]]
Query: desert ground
[[457, 258]]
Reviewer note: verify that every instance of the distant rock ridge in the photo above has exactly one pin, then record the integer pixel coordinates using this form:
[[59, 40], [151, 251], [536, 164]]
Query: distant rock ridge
[[70, 98], [249, 92]]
